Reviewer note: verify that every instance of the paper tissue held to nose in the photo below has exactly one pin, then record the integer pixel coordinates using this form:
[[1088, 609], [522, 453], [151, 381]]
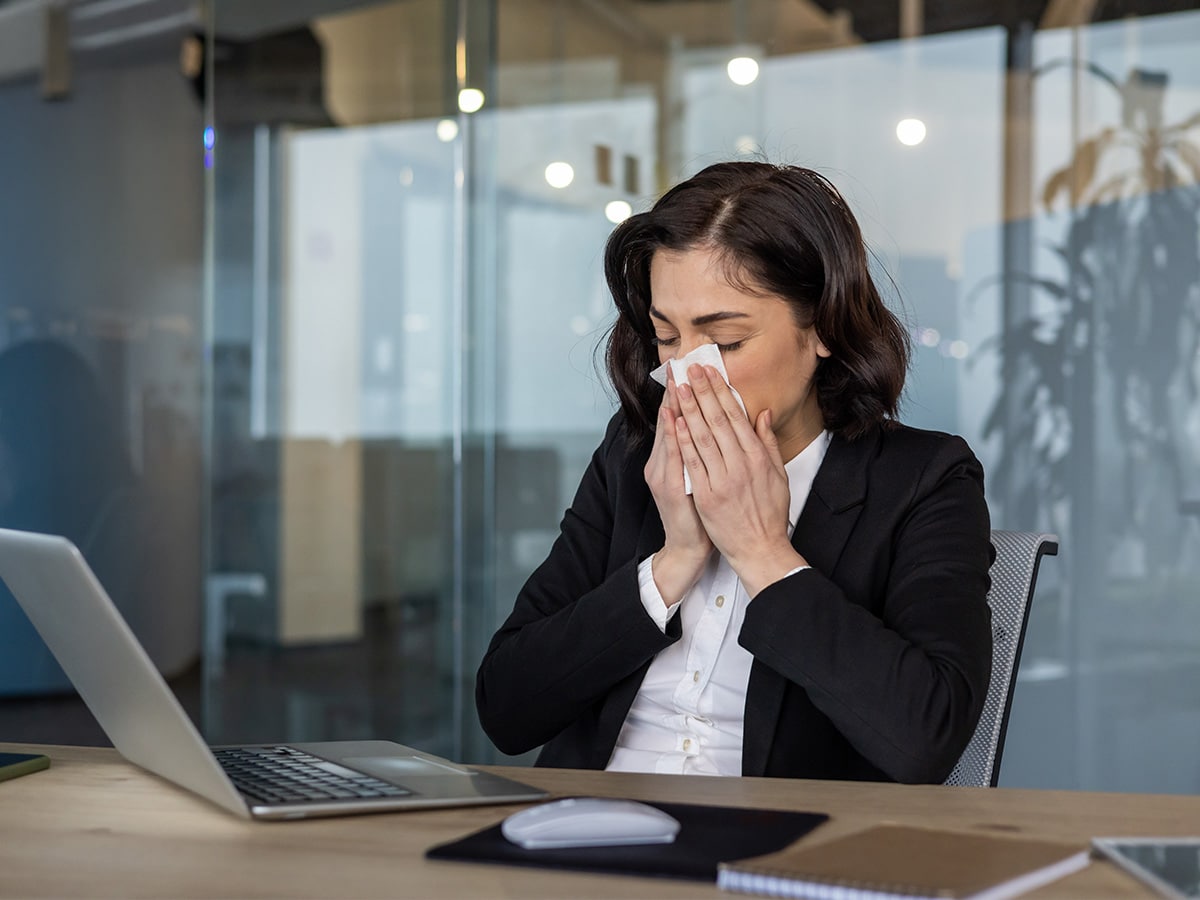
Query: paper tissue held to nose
[[704, 355]]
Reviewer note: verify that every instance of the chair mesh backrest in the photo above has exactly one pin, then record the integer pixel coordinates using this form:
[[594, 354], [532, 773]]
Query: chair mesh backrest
[[1014, 574]]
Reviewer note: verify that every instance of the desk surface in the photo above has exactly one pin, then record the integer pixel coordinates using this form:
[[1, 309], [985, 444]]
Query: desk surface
[[93, 825]]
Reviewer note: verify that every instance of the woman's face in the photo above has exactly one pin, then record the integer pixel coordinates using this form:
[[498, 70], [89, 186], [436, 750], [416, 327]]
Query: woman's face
[[769, 358]]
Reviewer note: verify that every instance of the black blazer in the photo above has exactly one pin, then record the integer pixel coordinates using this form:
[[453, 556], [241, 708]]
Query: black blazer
[[871, 665]]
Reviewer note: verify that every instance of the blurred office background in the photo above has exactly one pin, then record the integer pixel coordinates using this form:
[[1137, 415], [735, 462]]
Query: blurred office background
[[299, 302]]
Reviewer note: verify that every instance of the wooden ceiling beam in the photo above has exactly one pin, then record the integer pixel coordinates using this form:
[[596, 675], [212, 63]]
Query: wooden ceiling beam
[[1067, 13]]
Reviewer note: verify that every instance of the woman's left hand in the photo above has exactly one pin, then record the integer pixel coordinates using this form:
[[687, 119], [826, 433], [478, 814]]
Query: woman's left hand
[[739, 484]]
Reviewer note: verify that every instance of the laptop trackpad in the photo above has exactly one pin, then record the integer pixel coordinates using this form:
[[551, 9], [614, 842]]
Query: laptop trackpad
[[393, 768]]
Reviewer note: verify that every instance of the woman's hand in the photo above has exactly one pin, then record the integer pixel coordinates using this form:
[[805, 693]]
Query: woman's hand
[[687, 547], [739, 484]]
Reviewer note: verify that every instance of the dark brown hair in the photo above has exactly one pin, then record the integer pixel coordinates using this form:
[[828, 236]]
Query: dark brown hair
[[781, 230]]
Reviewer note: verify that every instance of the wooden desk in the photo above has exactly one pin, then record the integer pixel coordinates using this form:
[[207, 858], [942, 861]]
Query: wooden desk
[[96, 826]]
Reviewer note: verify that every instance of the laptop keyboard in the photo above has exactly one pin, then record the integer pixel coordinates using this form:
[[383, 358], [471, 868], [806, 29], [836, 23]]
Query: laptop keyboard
[[286, 775]]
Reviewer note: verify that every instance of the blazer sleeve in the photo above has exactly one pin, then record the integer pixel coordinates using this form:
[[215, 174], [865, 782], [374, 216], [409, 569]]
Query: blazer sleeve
[[578, 627], [902, 676]]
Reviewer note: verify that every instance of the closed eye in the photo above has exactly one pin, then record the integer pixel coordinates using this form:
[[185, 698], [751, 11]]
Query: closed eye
[[672, 341]]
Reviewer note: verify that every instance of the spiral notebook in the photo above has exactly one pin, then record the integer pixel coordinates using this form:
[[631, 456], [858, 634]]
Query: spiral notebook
[[890, 862]]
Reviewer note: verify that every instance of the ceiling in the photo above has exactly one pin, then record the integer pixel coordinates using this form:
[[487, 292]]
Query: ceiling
[[880, 20], [876, 20], [95, 23], [528, 31]]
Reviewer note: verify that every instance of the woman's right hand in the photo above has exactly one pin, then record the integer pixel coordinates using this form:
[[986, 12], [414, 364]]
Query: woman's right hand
[[687, 546]]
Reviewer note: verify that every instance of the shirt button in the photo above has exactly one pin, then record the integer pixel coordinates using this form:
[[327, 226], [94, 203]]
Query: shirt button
[[696, 675], [720, 601], [687, 744]]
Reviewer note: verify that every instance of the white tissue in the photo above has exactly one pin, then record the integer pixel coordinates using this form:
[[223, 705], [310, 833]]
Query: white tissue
[[704, 355]]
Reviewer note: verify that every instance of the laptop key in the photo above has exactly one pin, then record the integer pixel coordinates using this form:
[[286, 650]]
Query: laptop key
[[339, 771]]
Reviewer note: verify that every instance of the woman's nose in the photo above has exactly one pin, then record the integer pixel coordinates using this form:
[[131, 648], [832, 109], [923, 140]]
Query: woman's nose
[[687, 346]]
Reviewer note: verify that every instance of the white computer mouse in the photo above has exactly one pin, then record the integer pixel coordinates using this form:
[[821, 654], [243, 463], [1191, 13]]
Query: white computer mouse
[[589, 822]]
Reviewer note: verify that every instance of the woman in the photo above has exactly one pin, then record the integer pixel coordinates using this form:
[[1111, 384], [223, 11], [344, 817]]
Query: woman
[[816, 606]]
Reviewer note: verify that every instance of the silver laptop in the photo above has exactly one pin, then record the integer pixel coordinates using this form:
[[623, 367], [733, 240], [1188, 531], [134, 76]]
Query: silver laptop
[[139, 713]]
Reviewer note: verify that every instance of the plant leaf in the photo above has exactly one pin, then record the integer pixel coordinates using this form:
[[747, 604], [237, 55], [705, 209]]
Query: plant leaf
[[1087, 158], [1189, 154], [1109, 190], [1187, 124], [1055, 184]]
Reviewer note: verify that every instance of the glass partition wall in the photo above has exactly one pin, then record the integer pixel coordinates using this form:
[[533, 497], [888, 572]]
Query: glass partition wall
[[101, 335], [337, 443], [408, 207]]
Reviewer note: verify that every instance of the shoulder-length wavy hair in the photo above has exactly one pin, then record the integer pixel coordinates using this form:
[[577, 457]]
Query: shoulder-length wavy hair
[[783, 231]]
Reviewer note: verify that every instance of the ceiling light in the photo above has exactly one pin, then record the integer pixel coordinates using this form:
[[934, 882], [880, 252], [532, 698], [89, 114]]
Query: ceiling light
[[470, 100], [910, 132], [742, 70], [745, 146], [617, 211], [559, 174]]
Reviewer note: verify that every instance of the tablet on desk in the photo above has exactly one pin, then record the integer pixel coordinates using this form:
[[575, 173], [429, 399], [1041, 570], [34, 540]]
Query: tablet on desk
[[1169, 865]]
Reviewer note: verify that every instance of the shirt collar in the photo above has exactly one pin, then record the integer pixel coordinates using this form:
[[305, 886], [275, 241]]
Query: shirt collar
[[801, 471]]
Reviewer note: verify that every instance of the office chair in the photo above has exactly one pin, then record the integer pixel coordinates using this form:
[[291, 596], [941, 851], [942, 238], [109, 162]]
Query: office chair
[[1014, 574]]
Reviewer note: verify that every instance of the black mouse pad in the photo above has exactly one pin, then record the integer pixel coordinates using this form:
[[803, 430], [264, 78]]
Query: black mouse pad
[[708, 835]]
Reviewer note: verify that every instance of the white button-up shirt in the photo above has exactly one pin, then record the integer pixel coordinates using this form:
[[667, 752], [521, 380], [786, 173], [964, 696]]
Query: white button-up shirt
[[688, 715]]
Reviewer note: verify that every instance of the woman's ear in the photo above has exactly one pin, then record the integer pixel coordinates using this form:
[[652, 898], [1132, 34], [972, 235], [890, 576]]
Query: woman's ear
[[809, 338]]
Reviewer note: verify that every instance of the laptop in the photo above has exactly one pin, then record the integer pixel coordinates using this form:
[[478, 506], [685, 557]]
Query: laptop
[[139, 713]]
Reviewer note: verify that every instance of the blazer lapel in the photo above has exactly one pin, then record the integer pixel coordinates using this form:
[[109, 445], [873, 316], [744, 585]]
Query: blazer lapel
[[835, 501], [821, 534], [619, 700]]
